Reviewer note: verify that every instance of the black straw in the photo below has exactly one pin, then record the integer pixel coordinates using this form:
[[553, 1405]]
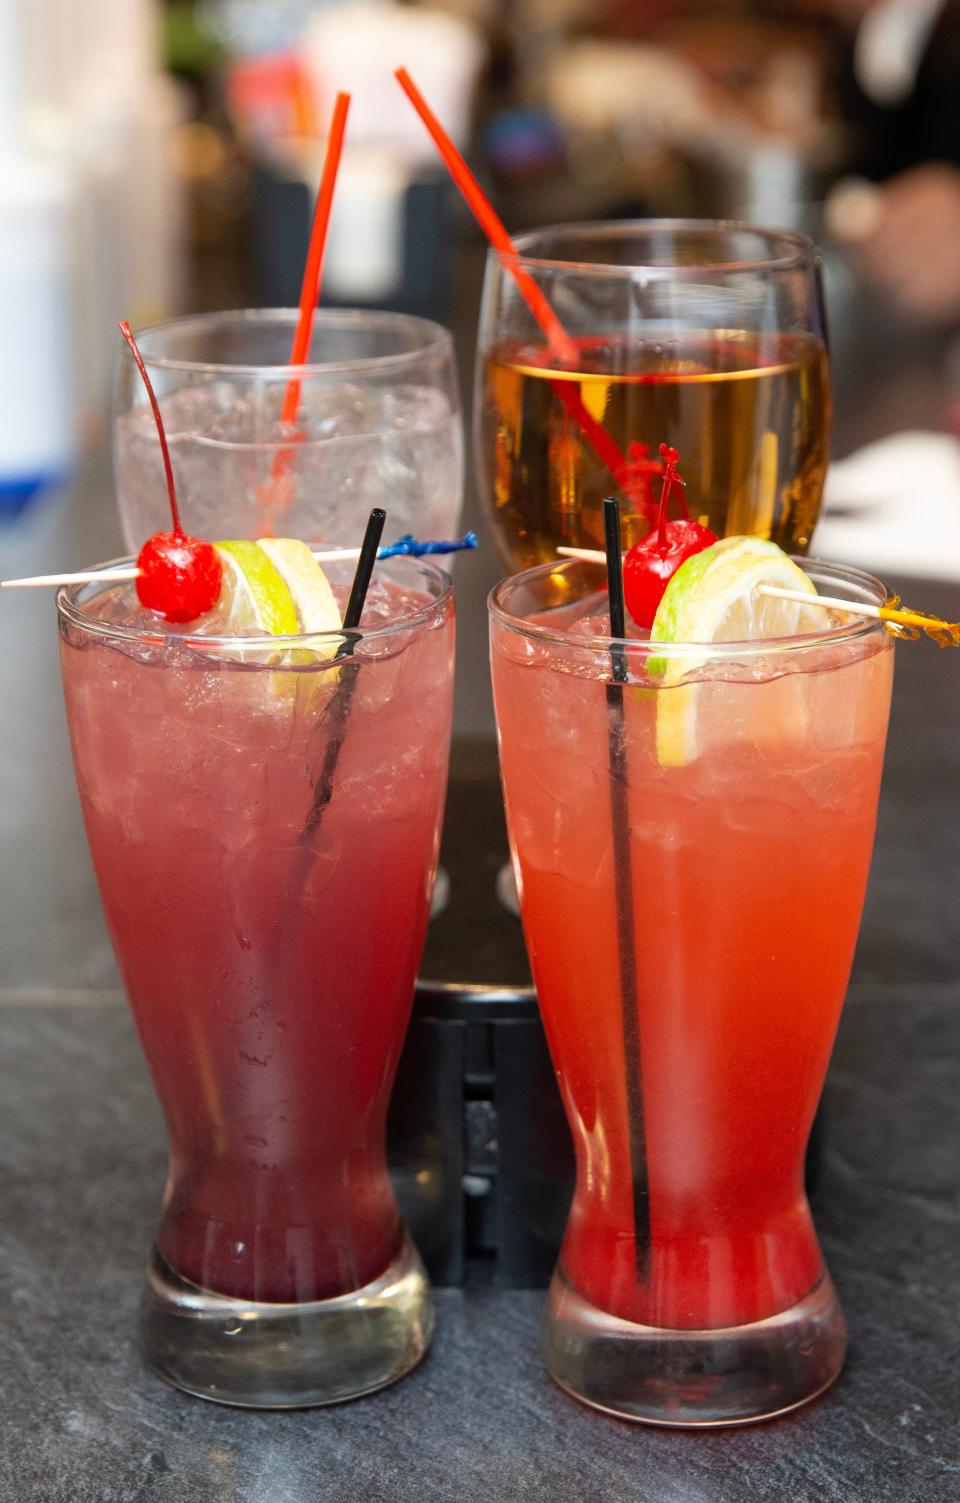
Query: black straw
[[338, 710], [618, 610], [623, 884], [365, 563]]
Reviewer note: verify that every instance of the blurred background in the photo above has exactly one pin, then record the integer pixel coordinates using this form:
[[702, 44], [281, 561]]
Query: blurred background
[[162, 157]]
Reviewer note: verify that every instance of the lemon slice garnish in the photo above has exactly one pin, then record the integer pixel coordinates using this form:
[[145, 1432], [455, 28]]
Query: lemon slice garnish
[[257, 599], [713, 598], [317, 611], [276, 588], [314, 601]]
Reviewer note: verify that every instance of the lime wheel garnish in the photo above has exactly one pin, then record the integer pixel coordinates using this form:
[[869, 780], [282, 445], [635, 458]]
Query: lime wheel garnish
[[713, 597]]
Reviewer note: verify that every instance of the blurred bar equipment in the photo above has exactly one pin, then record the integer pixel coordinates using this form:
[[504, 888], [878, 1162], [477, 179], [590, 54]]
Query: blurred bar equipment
[[36, 400], [390, 242], [97, 113]]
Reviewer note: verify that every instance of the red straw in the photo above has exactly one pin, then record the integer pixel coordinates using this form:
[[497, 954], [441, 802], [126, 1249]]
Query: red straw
[[489, 221], [313, 270], [275, 496], [563, 347]]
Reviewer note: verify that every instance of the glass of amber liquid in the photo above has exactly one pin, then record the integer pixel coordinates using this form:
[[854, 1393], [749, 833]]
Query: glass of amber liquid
[[707, 336]]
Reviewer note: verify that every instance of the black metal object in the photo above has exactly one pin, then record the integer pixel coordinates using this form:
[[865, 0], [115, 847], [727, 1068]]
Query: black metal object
[[480, 1150]]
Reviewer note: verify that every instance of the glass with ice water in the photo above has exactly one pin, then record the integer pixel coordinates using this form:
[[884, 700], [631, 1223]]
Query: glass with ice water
[[377, 423]]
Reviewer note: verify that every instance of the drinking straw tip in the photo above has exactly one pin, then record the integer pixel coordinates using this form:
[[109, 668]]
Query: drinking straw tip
[[313, 266], [611, 530], [365, 563]]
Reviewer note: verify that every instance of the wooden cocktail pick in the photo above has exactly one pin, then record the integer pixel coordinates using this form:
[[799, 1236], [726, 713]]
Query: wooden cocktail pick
[[899, 621]]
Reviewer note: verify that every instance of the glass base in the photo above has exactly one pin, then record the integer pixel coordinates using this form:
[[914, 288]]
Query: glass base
[[287, 1356], [732, 1376]]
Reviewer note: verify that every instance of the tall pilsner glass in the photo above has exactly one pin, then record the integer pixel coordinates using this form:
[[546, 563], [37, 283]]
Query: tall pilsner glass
[[691, 850], [705, 336], [264, 819]]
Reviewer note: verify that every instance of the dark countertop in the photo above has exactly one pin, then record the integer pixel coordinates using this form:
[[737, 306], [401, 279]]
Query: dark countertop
[[83, 1163], [82, 1167]]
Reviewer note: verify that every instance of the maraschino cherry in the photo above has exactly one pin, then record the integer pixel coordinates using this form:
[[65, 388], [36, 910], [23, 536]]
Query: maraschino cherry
[[652, 563], [179, 576], [637, 478]]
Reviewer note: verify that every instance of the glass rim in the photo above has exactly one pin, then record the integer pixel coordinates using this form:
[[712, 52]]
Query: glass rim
[[872, 592], [802, 249], [71, 610], [437, 341]]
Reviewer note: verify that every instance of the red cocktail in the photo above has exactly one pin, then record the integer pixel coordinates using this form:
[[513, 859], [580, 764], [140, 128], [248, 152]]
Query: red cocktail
[[691, 1287], [264, 823]]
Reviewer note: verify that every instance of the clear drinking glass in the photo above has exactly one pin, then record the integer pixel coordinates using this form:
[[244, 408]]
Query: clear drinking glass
[[691, 863], [264, 821], [377, 424], [703, 335]]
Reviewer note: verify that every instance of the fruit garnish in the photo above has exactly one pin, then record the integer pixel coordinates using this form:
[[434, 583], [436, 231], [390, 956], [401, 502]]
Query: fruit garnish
[[637, 479], [314, 601], [275, 586], [179, 576], [713, 597], [256, 597], [651, 564], [315, 604]]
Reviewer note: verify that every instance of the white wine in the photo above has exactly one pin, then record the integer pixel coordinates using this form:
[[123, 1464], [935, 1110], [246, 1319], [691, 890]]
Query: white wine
[[748, 412]]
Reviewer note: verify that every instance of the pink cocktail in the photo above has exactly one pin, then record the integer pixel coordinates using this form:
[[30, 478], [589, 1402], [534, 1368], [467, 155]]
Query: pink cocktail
[[264, 823]]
